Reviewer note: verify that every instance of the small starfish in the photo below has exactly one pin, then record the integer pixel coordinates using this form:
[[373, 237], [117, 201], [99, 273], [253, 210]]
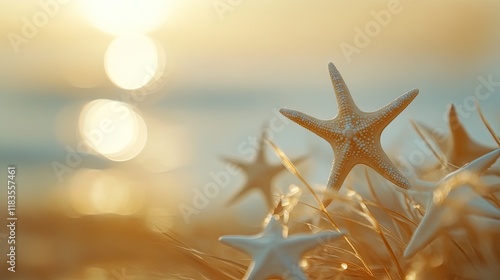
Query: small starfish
[[355, 135], [452, 205], [259, 174], [458, 147], [276, 255]]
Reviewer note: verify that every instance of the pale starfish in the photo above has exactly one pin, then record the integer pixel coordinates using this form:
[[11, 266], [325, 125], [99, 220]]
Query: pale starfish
[[260, 174], [453, 204], [355, 135], [275, 254], [458, 147]]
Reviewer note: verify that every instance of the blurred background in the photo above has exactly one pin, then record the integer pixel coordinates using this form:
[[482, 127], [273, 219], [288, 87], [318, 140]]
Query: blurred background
[[117, 113]]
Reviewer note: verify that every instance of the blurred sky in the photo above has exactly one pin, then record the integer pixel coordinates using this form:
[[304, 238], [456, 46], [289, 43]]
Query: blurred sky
[[222, 67]]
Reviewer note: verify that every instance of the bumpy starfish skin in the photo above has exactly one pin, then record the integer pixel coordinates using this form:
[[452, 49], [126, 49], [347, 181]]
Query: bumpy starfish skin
[[259, 174], [275, 255], [355, 135], [451, 207]]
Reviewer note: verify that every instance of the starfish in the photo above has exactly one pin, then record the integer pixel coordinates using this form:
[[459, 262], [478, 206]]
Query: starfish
[[458, 147], [355, 135], [259, 174], [275, 254], [454, 203]]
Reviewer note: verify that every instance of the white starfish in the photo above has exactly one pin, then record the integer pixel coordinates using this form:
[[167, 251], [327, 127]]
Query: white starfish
[[453, 204], [276, 255], [260, 174], [355, 135]]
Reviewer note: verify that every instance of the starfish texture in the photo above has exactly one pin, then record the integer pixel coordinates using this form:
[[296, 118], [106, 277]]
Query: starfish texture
[[259, 174], [276, 255], [458, 147], [453, 204], [355, 135]]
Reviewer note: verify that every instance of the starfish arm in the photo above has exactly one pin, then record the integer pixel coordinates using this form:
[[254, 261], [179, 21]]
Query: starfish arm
[[462, 148], [457, 130], [247, 244], [486, 224], [280, 167], [276, 263], [238, 163], [480, 165], [292, 270], [263, 182], [340, 169], [257, 270], [261, 151], [384, 166], [263, 185], [243, 192], [481, 207], [384, 116], [276, 169], [438, 138], [345, 102], [263, 268], [301, 243], [295, 273], [318, 127], [429, 229]]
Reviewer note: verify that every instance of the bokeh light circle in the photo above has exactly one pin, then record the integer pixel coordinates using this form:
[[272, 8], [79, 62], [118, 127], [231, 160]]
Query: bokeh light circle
[[131, 61], [113, 129], [94, 192]]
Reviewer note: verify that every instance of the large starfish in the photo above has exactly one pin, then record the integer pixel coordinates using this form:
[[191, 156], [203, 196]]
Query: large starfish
[[276, 255], [355, 135], [259, 174], [453, 204]]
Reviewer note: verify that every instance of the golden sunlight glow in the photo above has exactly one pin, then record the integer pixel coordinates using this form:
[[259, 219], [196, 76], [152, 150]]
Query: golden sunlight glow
[[168, 147], [131, 61], [95, 273], [113, 129], [122, 16], [303, 263], [103, 192], [412, 275], [159, 219], [107, 194]]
